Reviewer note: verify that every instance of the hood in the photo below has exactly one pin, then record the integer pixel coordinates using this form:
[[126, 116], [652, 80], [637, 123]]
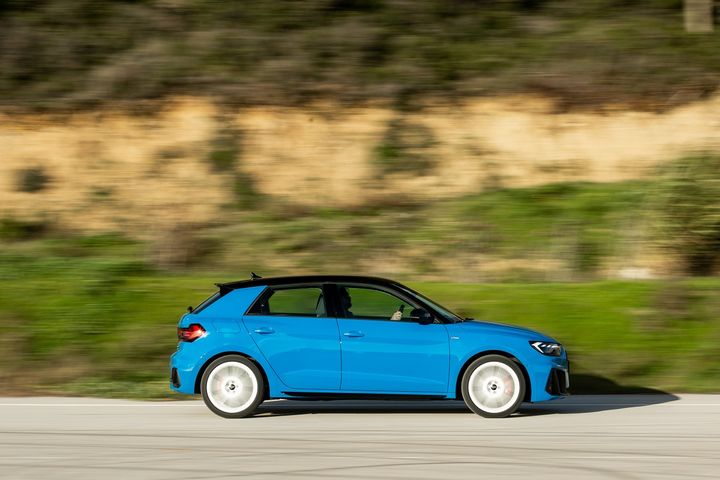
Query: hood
[[501, 329]]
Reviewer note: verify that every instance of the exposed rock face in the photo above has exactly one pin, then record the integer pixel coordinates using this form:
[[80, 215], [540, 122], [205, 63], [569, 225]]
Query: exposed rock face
[[112, 170]]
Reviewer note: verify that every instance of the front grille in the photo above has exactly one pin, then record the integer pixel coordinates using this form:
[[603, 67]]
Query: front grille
[[557, 384], [174, 379]]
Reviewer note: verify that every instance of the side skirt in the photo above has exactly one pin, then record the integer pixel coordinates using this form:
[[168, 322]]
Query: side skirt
[[359, 396]]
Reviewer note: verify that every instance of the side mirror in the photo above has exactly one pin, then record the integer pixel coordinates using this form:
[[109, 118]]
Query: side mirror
[[421, 316]]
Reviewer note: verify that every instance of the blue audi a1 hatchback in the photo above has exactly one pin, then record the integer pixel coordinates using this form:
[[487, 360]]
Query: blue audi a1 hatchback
[[344, 336]]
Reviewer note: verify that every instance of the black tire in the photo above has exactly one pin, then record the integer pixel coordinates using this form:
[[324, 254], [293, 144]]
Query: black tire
[[251, 372], [471, 400]]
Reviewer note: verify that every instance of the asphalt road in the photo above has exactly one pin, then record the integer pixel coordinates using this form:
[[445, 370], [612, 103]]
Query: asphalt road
[[582, 437]]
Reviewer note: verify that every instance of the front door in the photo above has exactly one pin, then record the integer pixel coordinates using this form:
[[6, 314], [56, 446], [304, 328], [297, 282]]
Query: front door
[[383, 350], [301, 343]]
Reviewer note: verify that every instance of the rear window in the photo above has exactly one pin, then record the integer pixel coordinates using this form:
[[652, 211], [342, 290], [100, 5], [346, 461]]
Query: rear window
[[296, 302]]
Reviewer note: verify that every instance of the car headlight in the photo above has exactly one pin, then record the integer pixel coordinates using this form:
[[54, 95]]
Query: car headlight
[[547, 348]]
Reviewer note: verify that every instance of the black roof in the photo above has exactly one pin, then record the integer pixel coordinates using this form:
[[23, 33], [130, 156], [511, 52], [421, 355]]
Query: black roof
[[299, 279]]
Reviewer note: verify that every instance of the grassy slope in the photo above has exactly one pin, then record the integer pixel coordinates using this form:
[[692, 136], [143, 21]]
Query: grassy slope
[[93, 326], [644, 334], [575, 228], [92, 315]]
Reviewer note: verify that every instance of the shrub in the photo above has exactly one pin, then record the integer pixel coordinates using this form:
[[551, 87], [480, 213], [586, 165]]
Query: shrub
[[225, 150], [181, 246], [33, 179], [170, 153], [687, 206], [403, 148], [246, 195], [15, 230]]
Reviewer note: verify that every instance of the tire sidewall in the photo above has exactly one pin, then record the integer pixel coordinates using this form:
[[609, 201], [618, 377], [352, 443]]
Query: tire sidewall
[[466, 386], [258, 378]]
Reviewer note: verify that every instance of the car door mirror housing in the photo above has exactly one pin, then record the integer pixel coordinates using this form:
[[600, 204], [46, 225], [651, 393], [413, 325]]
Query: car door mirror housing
[[421, 316]]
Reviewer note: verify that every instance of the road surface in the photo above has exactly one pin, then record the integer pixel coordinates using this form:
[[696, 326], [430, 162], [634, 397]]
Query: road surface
[[582, 437]]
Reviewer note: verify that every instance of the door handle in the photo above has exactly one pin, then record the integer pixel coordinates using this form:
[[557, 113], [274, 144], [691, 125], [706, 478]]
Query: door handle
[[264, 331], [353, 334]]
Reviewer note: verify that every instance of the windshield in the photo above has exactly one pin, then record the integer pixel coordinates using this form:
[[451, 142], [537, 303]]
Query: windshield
[[437, 307]]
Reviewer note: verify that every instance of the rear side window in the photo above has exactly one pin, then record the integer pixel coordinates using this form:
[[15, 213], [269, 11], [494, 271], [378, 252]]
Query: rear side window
[[296, 302], [206, 303]]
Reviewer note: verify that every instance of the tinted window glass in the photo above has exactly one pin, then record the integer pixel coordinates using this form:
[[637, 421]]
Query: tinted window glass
[[305, 302], [453, 317], [358, 302], [207, 302]]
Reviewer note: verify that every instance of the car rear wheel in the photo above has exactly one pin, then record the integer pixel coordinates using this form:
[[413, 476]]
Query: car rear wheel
[[232, 386], [493, 386]]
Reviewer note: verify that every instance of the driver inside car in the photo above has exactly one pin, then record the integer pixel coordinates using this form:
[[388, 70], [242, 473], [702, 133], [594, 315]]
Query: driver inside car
[[346, 304]]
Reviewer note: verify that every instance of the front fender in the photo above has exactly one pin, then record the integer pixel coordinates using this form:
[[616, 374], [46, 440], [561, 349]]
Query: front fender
[[465, 346]]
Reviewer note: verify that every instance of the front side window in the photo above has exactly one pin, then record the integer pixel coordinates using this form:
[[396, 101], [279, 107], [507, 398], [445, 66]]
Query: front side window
[[362, 302], [296, 302], [451, 316]]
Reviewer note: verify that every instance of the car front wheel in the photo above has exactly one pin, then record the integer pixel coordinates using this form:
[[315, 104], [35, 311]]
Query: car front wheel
[[493, 386], [232, 386]]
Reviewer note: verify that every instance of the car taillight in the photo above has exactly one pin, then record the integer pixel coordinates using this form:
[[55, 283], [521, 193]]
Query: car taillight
[[191, 333]]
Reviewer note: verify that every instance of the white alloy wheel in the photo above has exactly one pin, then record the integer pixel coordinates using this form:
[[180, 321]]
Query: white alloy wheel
[[493, 386], [232, 386]]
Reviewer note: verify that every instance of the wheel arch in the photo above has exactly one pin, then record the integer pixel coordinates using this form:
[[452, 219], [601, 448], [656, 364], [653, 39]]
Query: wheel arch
[[509, 356], [201, 372]]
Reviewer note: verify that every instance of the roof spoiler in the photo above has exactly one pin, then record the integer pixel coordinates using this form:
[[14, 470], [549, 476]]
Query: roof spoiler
[[226, 287], [223, 288]]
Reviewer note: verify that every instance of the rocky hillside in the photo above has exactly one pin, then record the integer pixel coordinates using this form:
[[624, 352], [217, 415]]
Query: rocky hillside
[[190, 160]]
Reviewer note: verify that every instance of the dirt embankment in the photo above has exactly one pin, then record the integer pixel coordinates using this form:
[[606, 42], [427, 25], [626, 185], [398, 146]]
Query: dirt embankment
[[112, 170]]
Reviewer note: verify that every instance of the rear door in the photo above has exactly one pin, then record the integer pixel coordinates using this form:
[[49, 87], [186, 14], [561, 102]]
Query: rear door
[[383, 350], [290, 326]]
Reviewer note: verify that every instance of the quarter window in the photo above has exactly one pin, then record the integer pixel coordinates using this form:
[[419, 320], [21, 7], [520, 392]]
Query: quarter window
[[297, 302]]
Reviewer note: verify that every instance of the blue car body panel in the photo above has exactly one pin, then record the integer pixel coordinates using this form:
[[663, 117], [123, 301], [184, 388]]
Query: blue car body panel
[[394, 357], [330, 355], [226, 333], [474, 338], [304, 352]]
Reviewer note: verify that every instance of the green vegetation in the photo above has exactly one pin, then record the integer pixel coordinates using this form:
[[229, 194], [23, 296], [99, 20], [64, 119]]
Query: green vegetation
[[224, 156], [33, 179], [65, 54], [403, 148], [556, 232], [688, 206], [225, 150], [14, 230], [83, 316], [96, 315], [637, 334]]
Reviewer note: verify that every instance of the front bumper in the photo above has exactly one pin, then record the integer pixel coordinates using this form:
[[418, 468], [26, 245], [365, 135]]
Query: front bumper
[[558, 382], [549, 378]]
